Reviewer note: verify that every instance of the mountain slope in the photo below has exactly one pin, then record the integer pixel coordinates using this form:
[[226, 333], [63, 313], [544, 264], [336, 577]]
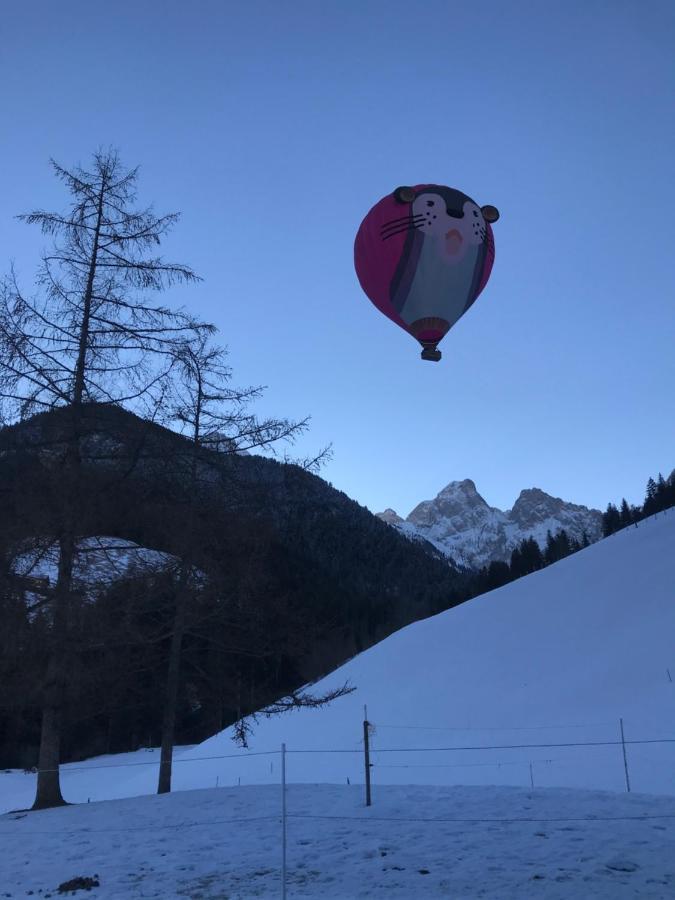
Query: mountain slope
[[319, 525], [271, 535], [462, 525], [557, 657]]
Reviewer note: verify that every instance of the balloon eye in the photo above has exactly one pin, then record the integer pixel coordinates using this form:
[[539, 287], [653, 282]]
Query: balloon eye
[[404, 195], [490, 213]]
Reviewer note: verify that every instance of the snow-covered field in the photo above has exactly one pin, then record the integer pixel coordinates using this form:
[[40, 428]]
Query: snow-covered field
[[487, 720], [554, 659], [91, 779], [477, 842]]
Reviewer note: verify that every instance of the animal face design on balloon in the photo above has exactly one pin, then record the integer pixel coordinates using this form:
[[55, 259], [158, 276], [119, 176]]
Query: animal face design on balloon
[[452, 232], [423, 255]]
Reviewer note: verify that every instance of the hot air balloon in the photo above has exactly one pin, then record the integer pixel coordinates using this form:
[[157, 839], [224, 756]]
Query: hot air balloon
[[422, 255]]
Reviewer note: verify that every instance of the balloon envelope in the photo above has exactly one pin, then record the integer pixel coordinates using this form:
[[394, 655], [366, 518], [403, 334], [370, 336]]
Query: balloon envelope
[[422, 255]]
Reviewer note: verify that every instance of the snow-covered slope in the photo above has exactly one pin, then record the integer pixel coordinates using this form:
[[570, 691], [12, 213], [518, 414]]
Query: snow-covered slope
[[556, 658], [460, 523]]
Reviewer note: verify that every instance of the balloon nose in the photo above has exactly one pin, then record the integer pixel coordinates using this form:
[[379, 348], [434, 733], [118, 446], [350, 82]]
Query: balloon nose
[[453, 241]]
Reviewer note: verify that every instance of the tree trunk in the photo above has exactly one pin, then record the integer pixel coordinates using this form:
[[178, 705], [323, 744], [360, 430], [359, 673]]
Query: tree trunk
[[48, 782], [172, 682], [48, 785], [182, 597]]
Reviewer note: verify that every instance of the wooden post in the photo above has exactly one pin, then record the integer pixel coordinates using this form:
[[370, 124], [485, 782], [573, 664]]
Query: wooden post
[[366, 750], [283, 821], [531, 777], [625, 760]]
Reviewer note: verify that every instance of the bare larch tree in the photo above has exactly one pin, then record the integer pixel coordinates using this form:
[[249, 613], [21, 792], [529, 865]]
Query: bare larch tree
[[215, 416], [86, 336]]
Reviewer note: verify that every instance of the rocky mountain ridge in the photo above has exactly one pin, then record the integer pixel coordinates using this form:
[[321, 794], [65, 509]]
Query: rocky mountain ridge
[[462, 525]]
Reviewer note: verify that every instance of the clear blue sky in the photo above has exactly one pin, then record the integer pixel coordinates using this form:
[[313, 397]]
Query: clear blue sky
[[274, 127]]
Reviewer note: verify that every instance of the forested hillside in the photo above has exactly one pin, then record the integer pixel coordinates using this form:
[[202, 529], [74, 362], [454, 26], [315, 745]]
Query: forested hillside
[[293, 578]]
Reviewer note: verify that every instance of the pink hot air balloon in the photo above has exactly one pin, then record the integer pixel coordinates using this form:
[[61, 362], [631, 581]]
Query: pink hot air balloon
[[422, 255]]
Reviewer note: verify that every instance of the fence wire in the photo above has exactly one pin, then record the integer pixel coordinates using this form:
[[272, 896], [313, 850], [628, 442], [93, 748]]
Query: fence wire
[[68, 767]]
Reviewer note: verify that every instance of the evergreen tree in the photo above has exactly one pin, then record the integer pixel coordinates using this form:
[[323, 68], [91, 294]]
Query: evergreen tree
[[611, 520], [496, 574], [516, 566], [661, 493], [670, 495], [531, 556], [564, 546], [650, 505], [625, 514]]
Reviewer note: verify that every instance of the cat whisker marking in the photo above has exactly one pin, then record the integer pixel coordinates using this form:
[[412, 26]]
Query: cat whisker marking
[[405, 221], [401, 230], [401, 219], [411, 223]]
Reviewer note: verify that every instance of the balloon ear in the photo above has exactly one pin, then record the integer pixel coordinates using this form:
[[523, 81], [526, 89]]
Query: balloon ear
[[404, 195], [490, 213]]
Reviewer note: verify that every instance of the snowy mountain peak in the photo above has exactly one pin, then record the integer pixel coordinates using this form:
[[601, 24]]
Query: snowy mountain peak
[[462, 490], [460, 523], [391, 517], [534, 506], [457, 499]]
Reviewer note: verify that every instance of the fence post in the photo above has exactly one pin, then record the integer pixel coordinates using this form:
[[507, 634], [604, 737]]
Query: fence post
[[531, 777], [283, 821], [366, 750], [625, 760]]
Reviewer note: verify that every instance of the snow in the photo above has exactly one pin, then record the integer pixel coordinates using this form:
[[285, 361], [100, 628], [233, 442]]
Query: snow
[[94, 778], [99, 559], [556, 658], [461, 525], [468, 842]]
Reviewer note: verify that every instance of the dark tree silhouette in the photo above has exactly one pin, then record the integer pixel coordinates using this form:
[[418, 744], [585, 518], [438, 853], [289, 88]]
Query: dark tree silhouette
[[611, 520], [216, 417], [86, 336]]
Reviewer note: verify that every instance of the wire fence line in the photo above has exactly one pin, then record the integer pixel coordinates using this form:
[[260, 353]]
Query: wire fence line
[[495, 727], [155, 762], [618, 743], [366, 817], [371, 729], [377, 751], [491, 747], [68, 767], [495, 764]]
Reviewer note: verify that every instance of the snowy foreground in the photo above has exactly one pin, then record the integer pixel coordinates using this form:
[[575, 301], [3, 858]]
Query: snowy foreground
[[526, 687], [503, 843]]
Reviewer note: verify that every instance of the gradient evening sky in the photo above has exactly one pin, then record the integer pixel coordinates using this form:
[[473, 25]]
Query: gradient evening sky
[[275, 126]]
